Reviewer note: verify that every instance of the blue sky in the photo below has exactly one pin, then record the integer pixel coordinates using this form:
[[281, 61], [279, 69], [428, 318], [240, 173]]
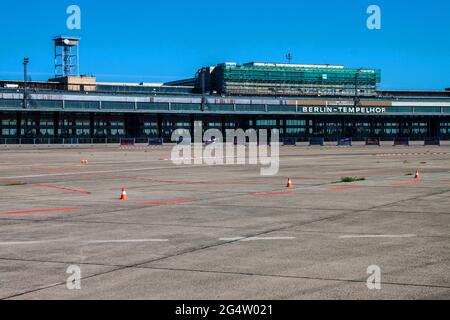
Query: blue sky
[[148, 40]]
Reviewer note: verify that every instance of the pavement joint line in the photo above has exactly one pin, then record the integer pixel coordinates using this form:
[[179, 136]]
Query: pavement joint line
[[147, 262], [64, 219], [316, 209], [52, 286], [62, 262], [363, 280], [270, 231], [249, 236], [68, 220]]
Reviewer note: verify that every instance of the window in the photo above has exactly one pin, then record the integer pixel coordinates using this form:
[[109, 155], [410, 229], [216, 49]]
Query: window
[[266, 123], [9, 122], [9, 132], [294, 131], [293, 123], [150, 132], [445, 128], [82, 132]]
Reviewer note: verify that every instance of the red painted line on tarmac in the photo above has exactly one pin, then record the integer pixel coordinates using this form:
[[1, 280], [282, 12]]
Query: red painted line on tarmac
[[344, 188], [169, 201], [10, 180], [270, 193], [243, 182], [39, 211], [61, 188], [182, 182], [156, 180]]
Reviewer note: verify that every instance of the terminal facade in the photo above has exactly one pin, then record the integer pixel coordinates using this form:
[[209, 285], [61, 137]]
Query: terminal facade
[[302, 101]]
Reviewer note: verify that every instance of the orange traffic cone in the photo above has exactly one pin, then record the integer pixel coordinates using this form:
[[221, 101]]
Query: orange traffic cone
[[123, 195], [289, 183], [417, 175]]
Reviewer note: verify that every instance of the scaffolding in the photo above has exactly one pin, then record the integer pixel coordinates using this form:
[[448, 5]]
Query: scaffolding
[[292, 79]]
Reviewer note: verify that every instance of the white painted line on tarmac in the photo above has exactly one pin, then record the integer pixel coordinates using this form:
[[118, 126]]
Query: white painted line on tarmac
[[267, 238], [126, 241], [255, 238], [378, 236], [231, 239], [17, 243], [91, 172]]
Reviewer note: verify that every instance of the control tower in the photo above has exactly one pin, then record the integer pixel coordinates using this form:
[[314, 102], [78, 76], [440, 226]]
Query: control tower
[[66, 56]]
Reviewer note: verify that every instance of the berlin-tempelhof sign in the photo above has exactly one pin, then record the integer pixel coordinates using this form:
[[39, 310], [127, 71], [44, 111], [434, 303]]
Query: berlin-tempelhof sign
[[343, 109]]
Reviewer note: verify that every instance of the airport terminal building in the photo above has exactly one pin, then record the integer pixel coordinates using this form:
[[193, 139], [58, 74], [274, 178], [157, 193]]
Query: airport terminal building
[[302, 101]]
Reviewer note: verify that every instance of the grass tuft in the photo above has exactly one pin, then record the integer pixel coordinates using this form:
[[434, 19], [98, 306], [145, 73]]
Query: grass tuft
[[350, 179], [15, 184]]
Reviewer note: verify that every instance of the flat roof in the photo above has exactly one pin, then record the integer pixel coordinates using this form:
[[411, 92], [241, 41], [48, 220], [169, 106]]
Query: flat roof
[[293, 65]]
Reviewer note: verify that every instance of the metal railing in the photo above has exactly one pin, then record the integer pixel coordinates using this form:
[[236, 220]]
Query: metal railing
[[71, 141], [160, 141]]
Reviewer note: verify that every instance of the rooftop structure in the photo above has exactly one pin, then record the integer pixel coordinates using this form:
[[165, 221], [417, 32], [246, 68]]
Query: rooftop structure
[[66, 56], [278, 79]]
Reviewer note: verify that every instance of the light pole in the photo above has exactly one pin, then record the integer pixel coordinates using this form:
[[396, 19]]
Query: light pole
[[25, 76]]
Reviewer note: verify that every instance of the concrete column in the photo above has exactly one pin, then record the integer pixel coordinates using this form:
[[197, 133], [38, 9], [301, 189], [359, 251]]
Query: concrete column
[[159, 120], [91, 124], [55, 124], [18, 123]]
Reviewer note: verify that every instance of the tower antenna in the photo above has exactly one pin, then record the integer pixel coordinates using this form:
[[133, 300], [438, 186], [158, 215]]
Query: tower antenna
[[289, 56], [25, 79]]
